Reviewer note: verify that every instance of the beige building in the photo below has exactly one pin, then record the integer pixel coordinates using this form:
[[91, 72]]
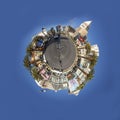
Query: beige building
[[83, 52], [83, 29], [95, 48], [44, 84], [81, 76]]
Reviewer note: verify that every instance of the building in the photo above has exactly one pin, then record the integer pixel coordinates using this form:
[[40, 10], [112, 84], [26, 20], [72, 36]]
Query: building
[[65, 28], [85, 65], [35, 56], [73, 84], [83, 29], [76, 92], [44, 74], [39, 83], [39, 64], [59, 28], [81, 76], [65, 85], [44, 31], [56, 86], [41, 34], [45, 84], [83, 52], [78, 72], [87, 70], [39, 43], [78, 42], [95, 48], [44, 59], [82, 61], [59, 82], [70, 76], [48, 85], [85, 25], [63, 78]]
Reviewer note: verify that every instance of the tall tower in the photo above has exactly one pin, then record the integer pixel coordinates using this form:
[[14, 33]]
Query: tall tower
[[83, 28]]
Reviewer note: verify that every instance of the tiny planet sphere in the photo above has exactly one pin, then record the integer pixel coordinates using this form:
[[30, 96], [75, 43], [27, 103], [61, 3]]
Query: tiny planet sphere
[[62, 58]]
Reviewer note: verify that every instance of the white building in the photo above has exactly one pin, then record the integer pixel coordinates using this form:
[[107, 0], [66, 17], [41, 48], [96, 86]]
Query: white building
[[85, 25], [95, 48], [37, 55], [78, 72], [44, 84], [39, 64], [85, 65], [76, 92], [65, 85], [56, 71], [87, 70], [73, 84], [83, 29], [44, 59], [82, 77], [78, 43], [54, 79], [44, 31], [82, 61], [41, 34], [83, 52]]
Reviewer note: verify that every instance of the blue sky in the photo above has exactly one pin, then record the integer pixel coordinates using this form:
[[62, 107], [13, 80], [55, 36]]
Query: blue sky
[[20, 96]]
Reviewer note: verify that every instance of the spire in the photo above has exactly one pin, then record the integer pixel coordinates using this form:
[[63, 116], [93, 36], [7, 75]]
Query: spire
[[85, 25], [88, 23]]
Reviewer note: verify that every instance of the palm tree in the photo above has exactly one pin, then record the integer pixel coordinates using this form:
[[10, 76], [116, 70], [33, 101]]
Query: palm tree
[[89, 57], [81, 47], [93, 62], [88, 47], [86, 57], [81, 86], [90, 75], [82, 70], [35, 74], [26, 62], [29, 48]]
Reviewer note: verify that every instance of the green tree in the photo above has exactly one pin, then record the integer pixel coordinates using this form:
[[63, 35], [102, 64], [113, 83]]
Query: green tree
[[37, 38], [90, 75], [82, 70], [29, 48], [93, 61], [88, 47], [35, 74], [26, 62], [90, 57], [81, 86], [86, 57]]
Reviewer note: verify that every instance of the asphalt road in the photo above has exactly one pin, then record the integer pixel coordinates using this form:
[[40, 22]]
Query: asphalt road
[[60, 53]]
